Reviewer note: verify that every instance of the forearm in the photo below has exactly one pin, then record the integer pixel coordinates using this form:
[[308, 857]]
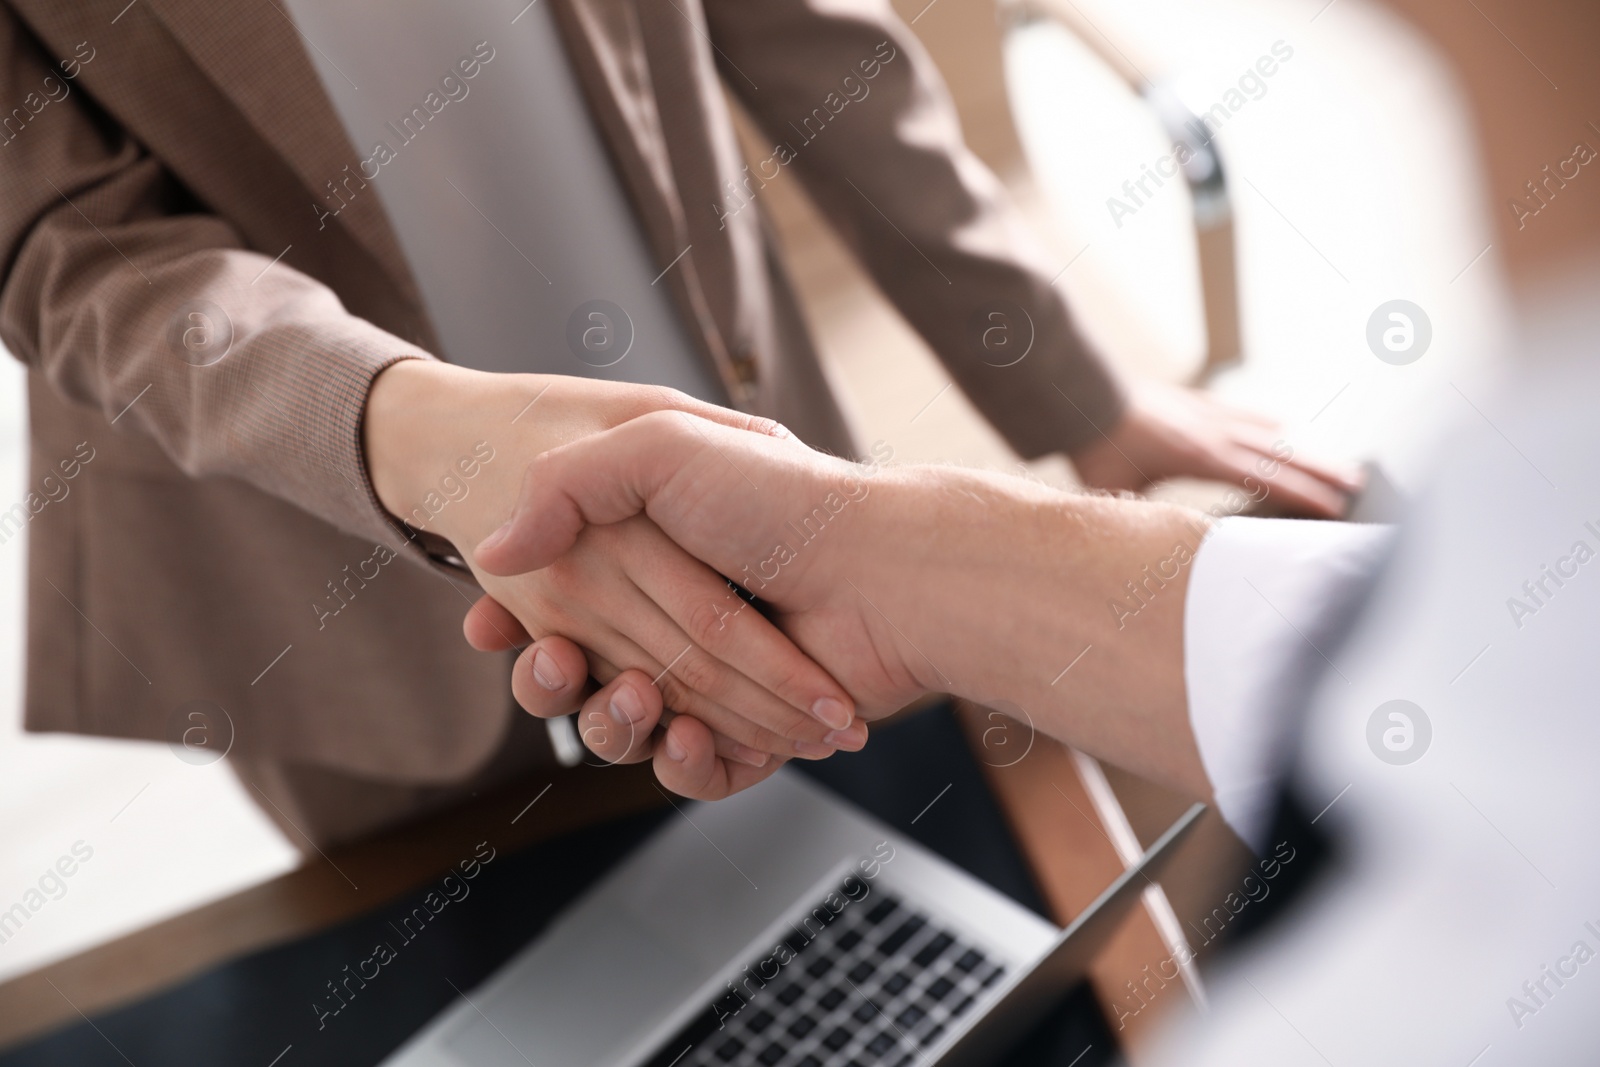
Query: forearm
[[887, 164], [263, 384], [1070, 607], [125, 296]]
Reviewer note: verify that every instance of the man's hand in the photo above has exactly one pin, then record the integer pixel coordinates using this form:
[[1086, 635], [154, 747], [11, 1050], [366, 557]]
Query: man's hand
[[688, 758], [1171, 432], [447, 448], [902, 582], [780, 532]]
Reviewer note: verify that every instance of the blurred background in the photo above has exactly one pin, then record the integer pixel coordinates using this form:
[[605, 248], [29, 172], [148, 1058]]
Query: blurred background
[[1352, 179]]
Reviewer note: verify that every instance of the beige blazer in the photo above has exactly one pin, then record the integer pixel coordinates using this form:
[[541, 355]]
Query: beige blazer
[[164, 159]]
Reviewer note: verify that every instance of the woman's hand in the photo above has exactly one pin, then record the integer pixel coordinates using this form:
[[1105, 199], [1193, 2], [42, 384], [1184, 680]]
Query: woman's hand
[[624, 720], [1171, 432], [447, 448]]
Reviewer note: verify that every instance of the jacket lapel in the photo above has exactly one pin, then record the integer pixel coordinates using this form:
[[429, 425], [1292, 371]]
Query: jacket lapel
[[612, 44], [256, 57]]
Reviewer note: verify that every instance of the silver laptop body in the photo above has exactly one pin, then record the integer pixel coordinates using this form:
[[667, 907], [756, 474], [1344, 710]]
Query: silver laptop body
[[778, 928]]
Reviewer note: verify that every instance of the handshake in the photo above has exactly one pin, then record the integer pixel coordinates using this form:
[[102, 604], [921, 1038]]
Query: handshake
[[743, 600], [797, 673]]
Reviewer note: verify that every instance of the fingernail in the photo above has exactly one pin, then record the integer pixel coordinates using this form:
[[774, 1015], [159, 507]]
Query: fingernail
[[675, 750], [626, 707], [812, 750], [831, 713], [545, 669], [751, 757], [495, 538], [849, 740]]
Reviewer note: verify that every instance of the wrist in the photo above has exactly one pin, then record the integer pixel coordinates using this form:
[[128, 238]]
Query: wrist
[[1071, 607], [969, 556], [935, 567], [437, 446]]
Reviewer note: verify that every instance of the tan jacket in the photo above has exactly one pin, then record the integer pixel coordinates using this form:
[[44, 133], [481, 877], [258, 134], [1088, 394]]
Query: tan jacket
[[158, 158]]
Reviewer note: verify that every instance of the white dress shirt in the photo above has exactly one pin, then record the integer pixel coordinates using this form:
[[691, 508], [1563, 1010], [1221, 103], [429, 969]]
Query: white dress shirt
[[509, 211], [1462, 923], [1258, 595]]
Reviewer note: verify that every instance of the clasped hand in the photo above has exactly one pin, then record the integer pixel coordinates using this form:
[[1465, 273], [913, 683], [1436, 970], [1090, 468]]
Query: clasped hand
[[725, 501], [657, 627]]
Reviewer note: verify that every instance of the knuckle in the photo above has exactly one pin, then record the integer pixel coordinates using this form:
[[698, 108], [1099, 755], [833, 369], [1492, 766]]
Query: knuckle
[[665, 398], [766, 427], [791, 676], [708, 621], [539, 471], [674, 694], [661, 410], [701, 673], [663, 423], [530, 475], [559, 575], [764, 740]]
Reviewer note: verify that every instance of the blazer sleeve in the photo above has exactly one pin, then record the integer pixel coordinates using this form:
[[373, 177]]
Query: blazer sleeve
[[855, 106], [120, 290]]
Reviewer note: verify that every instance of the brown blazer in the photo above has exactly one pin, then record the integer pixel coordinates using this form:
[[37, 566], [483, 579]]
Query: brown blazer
[[166, 158]]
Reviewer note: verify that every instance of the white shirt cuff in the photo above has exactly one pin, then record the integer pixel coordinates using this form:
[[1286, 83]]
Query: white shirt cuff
[[1259, 589]]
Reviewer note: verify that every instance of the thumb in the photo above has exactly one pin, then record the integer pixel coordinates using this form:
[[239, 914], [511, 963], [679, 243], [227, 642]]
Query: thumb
[[601, 479]]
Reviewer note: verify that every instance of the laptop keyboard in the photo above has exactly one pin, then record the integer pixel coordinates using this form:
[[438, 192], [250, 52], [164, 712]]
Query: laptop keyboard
[[876, 984]]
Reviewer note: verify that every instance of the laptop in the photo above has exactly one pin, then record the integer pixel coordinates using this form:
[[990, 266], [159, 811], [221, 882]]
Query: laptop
[[782, 927]]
